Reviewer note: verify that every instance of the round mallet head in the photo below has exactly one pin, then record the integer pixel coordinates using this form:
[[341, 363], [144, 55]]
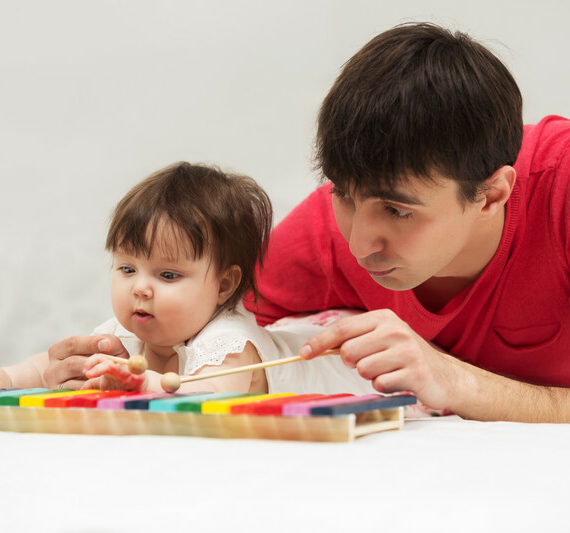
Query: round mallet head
[[170, 382], [137, 364]]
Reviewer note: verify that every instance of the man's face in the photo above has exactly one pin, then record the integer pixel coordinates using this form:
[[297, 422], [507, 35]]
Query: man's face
[[409, 235]]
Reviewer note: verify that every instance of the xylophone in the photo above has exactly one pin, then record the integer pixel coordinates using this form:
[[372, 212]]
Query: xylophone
[[284, 416]]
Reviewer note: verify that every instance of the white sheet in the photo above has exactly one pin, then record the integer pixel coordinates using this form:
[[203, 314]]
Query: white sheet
[[435, 475]]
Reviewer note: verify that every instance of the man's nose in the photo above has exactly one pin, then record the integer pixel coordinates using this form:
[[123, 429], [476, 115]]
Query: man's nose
[[366, 235]]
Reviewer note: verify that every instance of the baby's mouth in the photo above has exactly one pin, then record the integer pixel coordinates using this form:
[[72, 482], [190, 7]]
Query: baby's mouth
[[142, 314]]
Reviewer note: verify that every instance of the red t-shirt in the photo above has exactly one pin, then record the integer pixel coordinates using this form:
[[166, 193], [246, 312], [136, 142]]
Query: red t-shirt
[[514, 320]]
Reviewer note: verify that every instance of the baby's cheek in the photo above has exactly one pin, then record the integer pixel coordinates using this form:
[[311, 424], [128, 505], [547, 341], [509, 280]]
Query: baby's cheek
[[121, 295]]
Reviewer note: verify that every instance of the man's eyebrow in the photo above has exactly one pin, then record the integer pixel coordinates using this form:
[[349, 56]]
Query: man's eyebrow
[[395, 196]]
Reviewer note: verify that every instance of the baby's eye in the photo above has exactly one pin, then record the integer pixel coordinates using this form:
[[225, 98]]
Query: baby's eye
[[169, 275], [126, 269]]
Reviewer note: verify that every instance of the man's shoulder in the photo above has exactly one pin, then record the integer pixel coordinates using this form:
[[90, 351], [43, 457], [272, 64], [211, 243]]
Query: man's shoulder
[[545, 144], [544, 176], [312, 219], [318, 199]]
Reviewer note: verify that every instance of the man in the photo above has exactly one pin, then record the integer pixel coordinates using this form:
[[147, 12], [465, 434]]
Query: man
[[459, 254]]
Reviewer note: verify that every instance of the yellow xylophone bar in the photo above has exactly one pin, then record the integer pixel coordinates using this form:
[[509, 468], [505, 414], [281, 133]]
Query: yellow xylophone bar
[[37, 400], [224, 406]]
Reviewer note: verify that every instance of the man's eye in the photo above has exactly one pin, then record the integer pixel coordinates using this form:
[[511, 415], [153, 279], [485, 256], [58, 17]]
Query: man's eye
[[169, 275], [340, 194], [398, 213]]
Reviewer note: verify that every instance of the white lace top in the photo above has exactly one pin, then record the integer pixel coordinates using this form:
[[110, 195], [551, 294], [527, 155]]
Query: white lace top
[[226, 334]]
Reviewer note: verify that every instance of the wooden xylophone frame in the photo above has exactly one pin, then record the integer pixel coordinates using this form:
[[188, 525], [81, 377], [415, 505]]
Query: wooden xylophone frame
[[84, 421]]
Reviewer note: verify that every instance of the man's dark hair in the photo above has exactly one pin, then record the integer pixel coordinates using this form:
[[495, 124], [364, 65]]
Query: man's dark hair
[[226, 215], [419, 99]]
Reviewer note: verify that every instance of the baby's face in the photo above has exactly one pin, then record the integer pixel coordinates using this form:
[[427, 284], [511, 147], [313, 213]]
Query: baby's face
[[163, 300]]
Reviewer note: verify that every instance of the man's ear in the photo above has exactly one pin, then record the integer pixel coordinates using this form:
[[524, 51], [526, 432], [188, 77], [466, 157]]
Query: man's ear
[[497, 190], [229, 281]]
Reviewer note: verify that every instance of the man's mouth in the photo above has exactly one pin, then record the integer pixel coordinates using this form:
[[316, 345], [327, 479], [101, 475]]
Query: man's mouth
[[380, 273]]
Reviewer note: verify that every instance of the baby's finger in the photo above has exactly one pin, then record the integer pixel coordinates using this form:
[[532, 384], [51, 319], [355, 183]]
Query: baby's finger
[[134, 381], [100, 367], [94, 360]]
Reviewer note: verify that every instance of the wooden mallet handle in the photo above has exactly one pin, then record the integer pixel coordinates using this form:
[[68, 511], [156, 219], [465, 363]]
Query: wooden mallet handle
[[171, 381]]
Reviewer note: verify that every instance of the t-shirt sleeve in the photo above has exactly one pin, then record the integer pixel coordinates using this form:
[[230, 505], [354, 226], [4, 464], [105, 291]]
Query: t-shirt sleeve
[[295, 277]]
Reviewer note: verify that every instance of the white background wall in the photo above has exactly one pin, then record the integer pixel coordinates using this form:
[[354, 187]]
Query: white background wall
[[95, 95]]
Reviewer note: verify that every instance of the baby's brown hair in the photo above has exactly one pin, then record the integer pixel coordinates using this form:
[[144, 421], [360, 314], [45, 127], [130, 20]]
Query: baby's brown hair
[[227, 215]]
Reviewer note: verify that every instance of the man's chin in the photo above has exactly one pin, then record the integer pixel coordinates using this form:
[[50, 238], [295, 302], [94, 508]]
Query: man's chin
[[394, 284]]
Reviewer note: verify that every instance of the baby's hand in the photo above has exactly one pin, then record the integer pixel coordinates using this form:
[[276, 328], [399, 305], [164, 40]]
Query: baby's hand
[[105, 374]]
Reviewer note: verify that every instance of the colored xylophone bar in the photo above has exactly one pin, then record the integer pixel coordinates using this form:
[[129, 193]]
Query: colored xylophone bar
[[284, 416]]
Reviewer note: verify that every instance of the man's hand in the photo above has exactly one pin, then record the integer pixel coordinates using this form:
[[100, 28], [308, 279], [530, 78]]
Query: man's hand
[[386, 351], [67, 358]]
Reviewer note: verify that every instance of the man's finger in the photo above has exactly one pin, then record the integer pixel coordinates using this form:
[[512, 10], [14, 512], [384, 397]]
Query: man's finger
[[338, 333], [95, 383], [395, 381], [378, 364], [75, 384], [88, 345], [76, 345], [61, 371], [111, 345]]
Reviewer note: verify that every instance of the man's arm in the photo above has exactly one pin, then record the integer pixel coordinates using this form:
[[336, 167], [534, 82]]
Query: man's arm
[[385, 350], [494, 397]]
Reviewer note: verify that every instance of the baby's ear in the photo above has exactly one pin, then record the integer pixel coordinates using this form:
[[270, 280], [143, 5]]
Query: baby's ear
[[229, 281]]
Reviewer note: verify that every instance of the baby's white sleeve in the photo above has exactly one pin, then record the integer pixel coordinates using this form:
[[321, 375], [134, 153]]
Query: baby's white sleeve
[[213, 350], [226, 334]]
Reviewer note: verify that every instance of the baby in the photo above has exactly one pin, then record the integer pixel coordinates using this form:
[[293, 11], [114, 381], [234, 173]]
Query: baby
[[185, 242]]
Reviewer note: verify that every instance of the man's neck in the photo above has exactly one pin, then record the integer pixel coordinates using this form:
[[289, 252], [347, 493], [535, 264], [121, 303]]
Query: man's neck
[[436, 292]]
